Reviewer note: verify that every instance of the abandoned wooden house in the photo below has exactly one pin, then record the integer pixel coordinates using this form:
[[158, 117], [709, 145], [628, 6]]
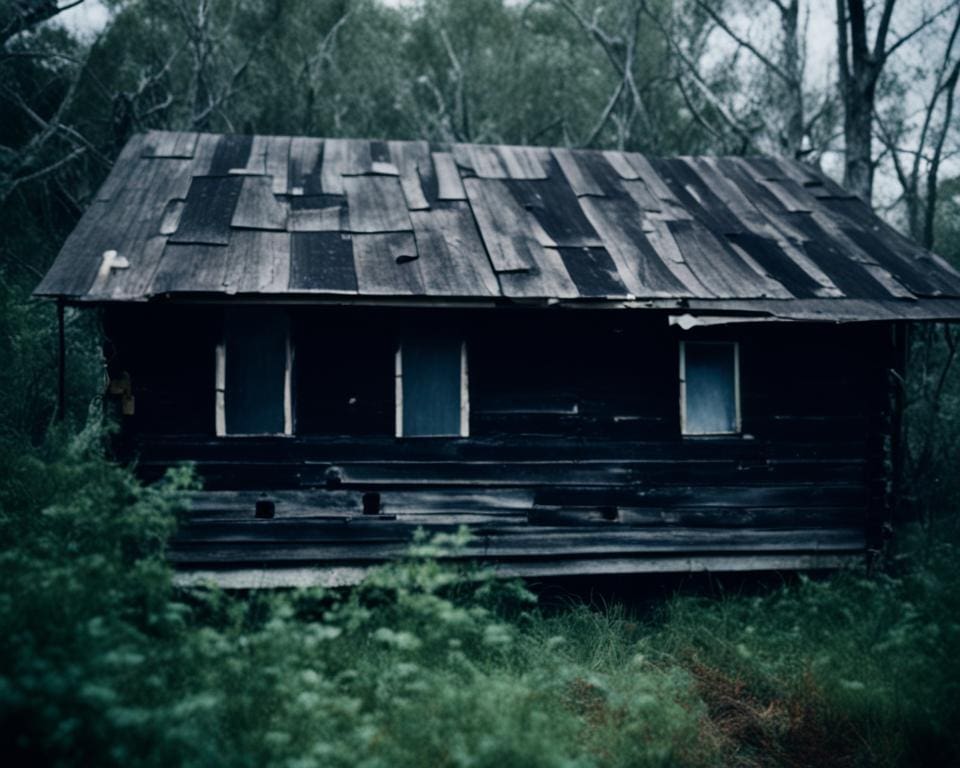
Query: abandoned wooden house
[[600, 362]]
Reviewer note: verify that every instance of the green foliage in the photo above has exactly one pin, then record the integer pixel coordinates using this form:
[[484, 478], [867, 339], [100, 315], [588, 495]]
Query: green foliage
[[947, 220], [932, 393], [85, 591], [856, 669], [443, 70], [29, 349], [931, 425], [103, 662]]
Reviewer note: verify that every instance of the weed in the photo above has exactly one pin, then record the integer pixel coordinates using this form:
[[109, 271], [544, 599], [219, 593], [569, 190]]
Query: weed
[[103, 662]]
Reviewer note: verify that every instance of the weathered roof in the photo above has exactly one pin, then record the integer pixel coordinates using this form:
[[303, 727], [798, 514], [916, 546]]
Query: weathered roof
[[203, 215]]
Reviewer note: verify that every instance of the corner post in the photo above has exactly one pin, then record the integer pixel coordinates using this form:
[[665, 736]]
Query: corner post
[[898, 383], [62, 367], [890, 503]]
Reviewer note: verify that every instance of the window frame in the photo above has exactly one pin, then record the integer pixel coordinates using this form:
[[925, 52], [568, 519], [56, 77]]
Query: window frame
[[738, 418], [464, 396], [220, 373]]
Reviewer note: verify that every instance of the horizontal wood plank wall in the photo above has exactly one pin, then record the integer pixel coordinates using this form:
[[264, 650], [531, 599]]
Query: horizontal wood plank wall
[[575, 439]]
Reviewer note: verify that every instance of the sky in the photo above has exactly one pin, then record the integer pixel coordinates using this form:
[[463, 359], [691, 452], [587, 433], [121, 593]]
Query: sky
[[85, 19]]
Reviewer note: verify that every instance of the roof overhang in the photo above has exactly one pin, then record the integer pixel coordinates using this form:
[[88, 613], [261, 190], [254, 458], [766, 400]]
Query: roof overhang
[[683, 313]]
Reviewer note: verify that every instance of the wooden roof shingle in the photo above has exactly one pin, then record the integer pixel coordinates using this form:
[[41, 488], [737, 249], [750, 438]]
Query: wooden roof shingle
[[208, 215]]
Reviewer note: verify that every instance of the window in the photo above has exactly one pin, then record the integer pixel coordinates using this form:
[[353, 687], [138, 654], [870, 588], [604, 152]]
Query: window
[[253, 369], [709, 388], [431, 387]]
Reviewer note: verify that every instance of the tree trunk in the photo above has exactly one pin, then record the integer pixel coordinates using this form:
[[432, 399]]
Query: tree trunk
[[860, 69], [201, 55], [792, 66], [858, 136]]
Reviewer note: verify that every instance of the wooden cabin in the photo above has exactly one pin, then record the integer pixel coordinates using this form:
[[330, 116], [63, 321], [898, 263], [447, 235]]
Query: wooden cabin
[[600, 362]]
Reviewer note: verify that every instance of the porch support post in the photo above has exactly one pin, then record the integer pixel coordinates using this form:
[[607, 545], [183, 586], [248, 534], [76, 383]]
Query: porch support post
[[62, 369]]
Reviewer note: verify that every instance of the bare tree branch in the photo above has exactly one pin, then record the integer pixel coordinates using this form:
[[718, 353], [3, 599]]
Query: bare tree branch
[[620, 51], [702, 86], [920, 207], [887, 52], [696, 113], [27, 14], [743, 42], [461, 109], [9, 187], [605, 115], [950, 88]]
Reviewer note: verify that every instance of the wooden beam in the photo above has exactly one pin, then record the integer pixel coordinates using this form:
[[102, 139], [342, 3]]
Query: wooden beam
[[62, 360], [335, 575], [288, 386], [464, 393]]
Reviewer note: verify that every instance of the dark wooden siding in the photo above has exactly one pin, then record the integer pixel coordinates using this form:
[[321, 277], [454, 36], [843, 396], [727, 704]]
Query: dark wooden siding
[[171, 355], [575, 443], [343, 375]]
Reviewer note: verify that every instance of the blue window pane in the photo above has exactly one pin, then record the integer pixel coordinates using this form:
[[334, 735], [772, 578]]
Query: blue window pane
[[711, 397], [256, 358], [431, 386]]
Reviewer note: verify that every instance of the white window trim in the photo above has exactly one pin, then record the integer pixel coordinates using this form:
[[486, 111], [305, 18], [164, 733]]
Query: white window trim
[[398, 390], [464, 393], [288, 386], [221, 384], [221, 394], [738, 426]]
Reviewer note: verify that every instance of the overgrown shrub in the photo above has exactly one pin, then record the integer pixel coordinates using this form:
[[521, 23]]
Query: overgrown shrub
[[85, 592], [852, 670], [102, 662]]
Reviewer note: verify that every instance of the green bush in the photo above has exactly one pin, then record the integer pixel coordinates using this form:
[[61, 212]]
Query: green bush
[[102, 662], [85, 591], [855, 669]]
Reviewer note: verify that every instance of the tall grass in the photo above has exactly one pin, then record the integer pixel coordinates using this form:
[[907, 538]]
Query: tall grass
[[103, 663], [854, 670]]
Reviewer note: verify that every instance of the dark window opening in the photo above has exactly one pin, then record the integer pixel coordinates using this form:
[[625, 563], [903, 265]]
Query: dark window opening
[[344, 377]]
